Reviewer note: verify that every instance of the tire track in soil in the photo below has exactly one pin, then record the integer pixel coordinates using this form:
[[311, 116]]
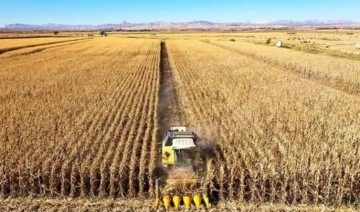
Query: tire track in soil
[[167, 115], [167, 101]]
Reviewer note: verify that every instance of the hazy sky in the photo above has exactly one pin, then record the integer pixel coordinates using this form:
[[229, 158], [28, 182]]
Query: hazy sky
[[106, 11]]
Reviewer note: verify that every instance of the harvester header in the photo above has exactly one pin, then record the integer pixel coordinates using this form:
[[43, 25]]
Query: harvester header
[[183, 163]]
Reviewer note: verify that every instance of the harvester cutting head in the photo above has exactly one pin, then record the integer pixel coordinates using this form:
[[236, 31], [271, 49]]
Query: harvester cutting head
[[184, 164]]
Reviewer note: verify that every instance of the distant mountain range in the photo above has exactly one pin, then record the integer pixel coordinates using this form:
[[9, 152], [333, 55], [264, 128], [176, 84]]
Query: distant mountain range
[[205, 25]]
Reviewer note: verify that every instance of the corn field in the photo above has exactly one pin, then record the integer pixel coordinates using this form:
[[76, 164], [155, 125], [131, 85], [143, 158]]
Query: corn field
[[277, 137], [80, 119]]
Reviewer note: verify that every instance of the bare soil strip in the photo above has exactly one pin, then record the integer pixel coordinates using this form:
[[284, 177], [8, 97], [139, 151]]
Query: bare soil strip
[[167, 112]]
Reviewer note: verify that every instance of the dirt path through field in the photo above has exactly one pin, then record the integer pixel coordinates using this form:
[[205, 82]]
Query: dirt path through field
[[168, 115], [167, 102]]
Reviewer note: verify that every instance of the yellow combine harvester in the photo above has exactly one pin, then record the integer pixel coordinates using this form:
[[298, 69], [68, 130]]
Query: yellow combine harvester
[[184, 165]]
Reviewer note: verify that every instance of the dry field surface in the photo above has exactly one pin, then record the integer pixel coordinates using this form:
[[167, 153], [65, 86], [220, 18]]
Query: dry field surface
[[129, 205], [7, 45], [80, 119], [333, 42], [339, 73]]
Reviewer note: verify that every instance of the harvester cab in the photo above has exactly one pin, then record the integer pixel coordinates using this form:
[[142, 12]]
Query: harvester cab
[[184, 163], [179, 149]]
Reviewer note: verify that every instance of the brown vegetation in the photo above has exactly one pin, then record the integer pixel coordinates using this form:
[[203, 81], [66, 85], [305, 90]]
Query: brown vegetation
[[7, 45], [81, 119], [279, 138], [76, 120]]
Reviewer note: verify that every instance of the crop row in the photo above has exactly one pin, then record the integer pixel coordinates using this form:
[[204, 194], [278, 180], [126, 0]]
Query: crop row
[[275, 137], [16, 44], [80, 120], [341, 74]]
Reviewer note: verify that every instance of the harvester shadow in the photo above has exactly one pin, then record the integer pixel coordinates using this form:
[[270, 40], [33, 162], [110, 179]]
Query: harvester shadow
[[209, 149]]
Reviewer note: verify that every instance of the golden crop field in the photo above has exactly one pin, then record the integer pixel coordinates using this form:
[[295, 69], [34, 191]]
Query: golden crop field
[[7, 45], [331, 42], [76, 119], [340, 73], [282, 138], [10, 43], [81, 119]]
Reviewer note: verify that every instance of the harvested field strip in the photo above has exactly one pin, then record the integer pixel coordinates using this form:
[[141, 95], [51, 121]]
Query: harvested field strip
[[12, 36], [277, 137], [36, 49], [167, 111], [8, 49], [104, 114], [341, 74]]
